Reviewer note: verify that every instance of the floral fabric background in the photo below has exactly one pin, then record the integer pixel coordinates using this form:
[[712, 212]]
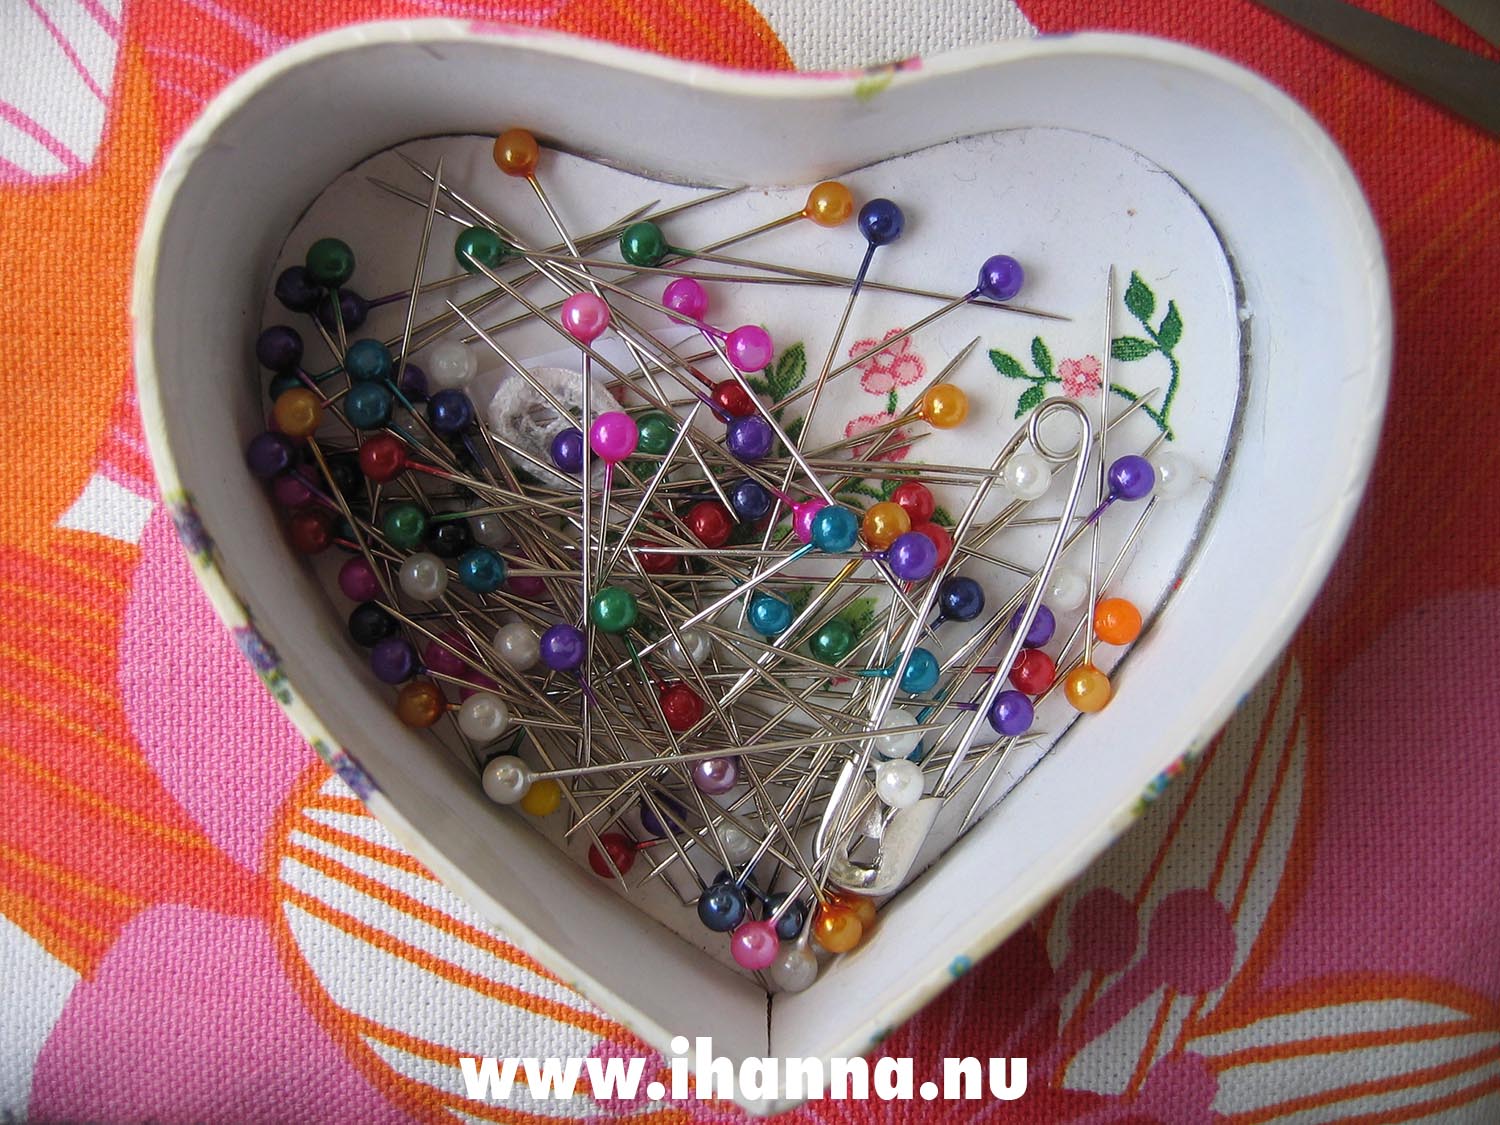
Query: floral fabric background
[[198, 922]]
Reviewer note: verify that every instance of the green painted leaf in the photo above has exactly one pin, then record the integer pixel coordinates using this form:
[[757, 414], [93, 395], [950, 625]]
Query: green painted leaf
[[855, 488], [759, 386], [793, 429], [1007, 365], [859, 614], [1041, 356], [1171, 328], [941, 517], [789, 371], [1030, 400], [888, 488], [1131, 348], [1139, 299], [798, 597]]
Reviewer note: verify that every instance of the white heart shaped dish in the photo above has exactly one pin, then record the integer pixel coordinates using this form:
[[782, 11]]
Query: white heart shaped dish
[[1292, 328]]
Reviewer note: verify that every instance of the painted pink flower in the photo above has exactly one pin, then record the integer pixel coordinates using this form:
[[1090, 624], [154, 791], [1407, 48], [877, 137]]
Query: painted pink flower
[[891, 367], [1080, 377], [866, 422]]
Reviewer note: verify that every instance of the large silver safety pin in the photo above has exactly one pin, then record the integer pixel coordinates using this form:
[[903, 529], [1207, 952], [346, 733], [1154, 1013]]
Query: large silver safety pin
[[905, 831]]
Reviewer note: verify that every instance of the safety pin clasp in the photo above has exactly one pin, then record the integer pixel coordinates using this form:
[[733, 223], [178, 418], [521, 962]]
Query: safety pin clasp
[[905, 833]]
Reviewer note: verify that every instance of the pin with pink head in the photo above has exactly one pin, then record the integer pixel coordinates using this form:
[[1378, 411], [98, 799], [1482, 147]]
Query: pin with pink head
[[749, 348], [803, 514], [613, 436], [685, 297], [585, 316]]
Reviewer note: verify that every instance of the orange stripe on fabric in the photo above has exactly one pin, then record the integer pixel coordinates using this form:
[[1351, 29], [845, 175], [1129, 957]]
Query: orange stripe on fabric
[[1168, 838], [335, 1020], [84, 569], [448, 1056], [400, 901], [40, 664], [61, 639], [706, 30], [624, 14], [1473, 244], [1264, 824], [411, 1044], [1347, 1041], [766, 36], [72, 880], [54, 932], [405, 862], [58, 601], [1464, 1096], [454, 974], [415, 908], [1437, 241], [1374, 1086], [370, 849], [59, 919], [26, 706], [1242, 801], [1420, 204], [115, 812], [1147, 883], [426, 1091], [334, 803], [1147, 1057]]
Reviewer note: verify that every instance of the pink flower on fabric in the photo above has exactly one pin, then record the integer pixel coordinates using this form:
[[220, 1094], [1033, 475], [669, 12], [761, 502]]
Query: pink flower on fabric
[[889, 368], [1080, 377], [867, 422]]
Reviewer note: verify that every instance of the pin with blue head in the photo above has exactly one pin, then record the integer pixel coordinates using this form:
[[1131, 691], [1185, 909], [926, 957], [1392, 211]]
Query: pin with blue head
[[750, 500], [450, 413], [566, 450], [480, 569], [960, 598], [834, 529], [881, 222], [661, 815], [769, 615], [919, 677]]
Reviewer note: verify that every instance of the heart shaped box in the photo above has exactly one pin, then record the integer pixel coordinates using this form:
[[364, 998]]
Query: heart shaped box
[[1315, 308]]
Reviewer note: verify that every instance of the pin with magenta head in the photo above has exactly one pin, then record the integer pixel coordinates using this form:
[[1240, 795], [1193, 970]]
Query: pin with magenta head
[[747, 348]]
